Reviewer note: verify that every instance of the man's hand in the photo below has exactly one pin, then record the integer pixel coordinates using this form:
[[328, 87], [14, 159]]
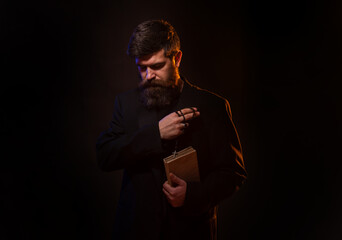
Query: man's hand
[[173, 125], [175, 195]]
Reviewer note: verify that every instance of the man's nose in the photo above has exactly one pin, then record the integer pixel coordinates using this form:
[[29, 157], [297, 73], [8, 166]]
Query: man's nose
[[150, 74]]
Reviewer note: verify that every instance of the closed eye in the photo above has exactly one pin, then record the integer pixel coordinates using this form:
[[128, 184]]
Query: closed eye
[[158, 66]]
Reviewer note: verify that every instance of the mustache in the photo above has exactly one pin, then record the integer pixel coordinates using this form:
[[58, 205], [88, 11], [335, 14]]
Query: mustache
[[155, 83]]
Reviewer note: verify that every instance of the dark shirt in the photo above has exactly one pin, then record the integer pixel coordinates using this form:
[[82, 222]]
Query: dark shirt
[[133, 143]]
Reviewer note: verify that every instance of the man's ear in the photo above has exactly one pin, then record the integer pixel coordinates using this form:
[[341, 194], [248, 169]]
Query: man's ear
[[178, 58]]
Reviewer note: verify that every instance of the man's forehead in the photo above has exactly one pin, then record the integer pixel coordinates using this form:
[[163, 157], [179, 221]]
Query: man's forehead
[[151, 58]]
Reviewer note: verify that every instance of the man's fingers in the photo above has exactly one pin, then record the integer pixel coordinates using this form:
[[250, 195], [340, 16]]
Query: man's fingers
[[168, 188], [176, 180], [175, 195], [174, 124], [182, 125], [167, 194], [189, 113], [189, 110]]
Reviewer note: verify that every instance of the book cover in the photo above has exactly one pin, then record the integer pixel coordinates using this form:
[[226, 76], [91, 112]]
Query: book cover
[[183, 164]]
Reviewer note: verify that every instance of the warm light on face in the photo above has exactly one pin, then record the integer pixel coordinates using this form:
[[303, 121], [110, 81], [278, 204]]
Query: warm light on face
[[160, 81], [155, 66]]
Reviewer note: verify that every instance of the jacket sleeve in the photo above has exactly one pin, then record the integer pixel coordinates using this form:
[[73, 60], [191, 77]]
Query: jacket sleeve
[[116, 148], [228, 172]]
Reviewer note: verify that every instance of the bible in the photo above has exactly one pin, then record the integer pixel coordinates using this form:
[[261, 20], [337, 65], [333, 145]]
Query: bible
[[183, 164]]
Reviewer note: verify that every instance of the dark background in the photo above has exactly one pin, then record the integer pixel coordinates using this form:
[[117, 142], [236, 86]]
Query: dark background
[[277, 62]]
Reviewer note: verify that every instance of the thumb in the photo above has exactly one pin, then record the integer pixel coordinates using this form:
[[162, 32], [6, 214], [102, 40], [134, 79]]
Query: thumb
[[176, 179]]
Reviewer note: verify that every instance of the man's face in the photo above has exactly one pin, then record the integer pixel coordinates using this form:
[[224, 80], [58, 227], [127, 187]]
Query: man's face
[[158, 67], [159, 78]]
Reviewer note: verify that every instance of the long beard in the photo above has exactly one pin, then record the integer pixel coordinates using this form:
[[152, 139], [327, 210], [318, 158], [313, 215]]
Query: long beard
[[159, 94]]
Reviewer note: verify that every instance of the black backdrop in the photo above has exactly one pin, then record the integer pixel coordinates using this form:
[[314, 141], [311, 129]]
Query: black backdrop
[[278, 63]]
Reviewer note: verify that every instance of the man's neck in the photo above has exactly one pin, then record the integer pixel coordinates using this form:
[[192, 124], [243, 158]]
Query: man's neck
[[180, 83]]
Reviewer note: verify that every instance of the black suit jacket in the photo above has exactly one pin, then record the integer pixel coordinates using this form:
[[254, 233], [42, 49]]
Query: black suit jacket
[[133, 143]]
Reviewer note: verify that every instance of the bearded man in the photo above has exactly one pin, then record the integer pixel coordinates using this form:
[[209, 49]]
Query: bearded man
[[163, 114]]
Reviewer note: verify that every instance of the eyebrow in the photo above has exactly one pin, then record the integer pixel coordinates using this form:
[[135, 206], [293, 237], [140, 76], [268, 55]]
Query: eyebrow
[[149, 65]]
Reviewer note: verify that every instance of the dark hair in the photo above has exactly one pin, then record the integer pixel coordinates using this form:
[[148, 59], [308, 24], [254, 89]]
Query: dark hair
[[152, 36]]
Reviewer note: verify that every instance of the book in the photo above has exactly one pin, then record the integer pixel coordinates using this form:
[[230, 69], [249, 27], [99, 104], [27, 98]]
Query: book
[[183, 164]]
